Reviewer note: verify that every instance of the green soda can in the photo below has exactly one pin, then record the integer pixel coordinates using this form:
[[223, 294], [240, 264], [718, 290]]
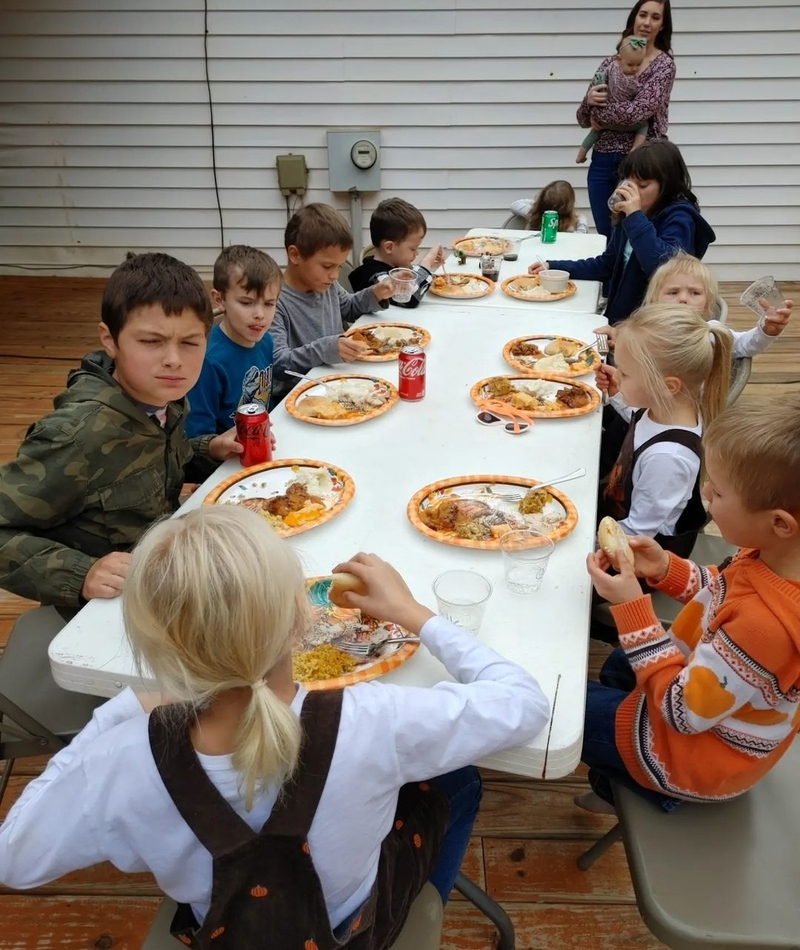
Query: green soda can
[[549, 227]]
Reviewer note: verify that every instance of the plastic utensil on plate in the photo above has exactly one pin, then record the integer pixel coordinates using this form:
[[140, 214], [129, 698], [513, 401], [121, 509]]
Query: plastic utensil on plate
[[516, 496], [576, 357]]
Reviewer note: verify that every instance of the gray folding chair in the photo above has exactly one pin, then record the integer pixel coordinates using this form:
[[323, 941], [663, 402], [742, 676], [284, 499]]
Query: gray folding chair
[[422, 930], [36, 716], [719, 310], [716, 876], [515, 222], [740, 374]]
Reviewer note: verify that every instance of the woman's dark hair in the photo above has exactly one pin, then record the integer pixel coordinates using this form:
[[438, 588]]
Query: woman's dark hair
[[663, 40], [558, 196], [661, 161]]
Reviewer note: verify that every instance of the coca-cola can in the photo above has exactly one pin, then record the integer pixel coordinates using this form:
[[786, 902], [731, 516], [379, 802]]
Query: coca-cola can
[[252, 430], [411, 362]]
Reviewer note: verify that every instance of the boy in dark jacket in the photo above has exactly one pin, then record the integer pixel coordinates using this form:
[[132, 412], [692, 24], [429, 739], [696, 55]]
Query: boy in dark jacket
[[111, 458], [396, 229]]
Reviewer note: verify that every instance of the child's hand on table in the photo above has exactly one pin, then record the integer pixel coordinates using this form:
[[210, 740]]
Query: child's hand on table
[[388, 596], [350, 350], [774, 323], [106, 576], [605, 378], [225, 446]]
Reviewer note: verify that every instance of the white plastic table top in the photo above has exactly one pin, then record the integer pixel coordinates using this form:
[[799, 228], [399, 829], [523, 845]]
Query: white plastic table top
[[570, 247], [390, 458]]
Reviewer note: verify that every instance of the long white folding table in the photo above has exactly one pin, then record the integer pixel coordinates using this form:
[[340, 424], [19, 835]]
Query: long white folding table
[[569, 247], [390, 458]]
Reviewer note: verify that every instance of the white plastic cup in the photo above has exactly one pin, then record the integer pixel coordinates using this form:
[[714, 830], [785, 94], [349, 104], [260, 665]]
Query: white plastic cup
[[526, 554], [461, 597], [616, 197], [762, 296], [404, 280]]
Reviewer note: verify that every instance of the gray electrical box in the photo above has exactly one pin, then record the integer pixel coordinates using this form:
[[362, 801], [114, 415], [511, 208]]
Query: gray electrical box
[[292, 174], [354, 160]]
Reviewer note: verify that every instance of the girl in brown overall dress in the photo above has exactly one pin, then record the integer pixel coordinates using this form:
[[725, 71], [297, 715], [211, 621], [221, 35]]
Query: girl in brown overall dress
[[275, 817]]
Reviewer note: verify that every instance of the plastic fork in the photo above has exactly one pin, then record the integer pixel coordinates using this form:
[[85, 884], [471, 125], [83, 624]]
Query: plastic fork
[[576, 357], [516, 496], [369, 648]]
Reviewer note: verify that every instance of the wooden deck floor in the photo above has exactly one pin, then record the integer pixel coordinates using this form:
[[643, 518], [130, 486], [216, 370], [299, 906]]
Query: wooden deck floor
[[528, 834]]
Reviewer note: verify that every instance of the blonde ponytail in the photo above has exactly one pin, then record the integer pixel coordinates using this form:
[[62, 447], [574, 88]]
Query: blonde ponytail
[[214, 601], [715, 391]]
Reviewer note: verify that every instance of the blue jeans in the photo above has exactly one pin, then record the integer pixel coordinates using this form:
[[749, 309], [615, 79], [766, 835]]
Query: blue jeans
[[602, 179], [463, 790], [599, 752]]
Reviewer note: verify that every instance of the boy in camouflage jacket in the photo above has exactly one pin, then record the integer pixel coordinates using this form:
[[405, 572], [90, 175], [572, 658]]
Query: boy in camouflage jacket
[[112, 457]]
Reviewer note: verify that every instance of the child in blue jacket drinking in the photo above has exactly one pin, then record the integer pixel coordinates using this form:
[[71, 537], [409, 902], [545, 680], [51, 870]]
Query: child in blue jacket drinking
[[656, 216]]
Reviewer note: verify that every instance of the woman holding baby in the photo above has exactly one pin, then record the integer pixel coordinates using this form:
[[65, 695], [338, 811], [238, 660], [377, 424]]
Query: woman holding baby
[[616, 120]]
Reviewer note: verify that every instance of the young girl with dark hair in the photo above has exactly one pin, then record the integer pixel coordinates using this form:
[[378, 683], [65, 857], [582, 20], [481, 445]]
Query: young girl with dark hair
[[656, 216]]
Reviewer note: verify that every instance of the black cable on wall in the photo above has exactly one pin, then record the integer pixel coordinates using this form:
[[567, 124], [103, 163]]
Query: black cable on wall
[[211, 114]]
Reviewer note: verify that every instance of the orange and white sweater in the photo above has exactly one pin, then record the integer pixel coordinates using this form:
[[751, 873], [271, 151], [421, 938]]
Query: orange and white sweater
[[717, 700]]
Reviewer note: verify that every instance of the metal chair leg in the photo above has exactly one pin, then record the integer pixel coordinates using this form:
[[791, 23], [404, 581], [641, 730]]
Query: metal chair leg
[[490, 908], [5, 777], [587, 859]]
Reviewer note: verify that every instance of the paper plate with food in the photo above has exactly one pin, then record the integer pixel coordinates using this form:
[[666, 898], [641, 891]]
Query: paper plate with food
[[461, 286], [291, 495], [542, 397], [475, 511], [317, 661], [550, 354], [341, 400], [385, 340], [482, 244], [528, 287]]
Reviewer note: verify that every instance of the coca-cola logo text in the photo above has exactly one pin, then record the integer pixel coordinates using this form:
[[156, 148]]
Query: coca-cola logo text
[[410, 369]]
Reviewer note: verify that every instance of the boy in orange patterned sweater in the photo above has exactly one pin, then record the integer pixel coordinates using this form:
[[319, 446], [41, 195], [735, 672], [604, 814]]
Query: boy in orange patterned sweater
[[703, 711]]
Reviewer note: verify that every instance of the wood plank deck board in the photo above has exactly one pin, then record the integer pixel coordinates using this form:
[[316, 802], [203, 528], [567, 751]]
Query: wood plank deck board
[[528, 834]]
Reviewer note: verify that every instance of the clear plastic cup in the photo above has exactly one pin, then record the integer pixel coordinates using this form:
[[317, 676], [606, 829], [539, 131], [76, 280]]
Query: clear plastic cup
[[404, 280], [762, 296], [616, 197], [512, 254], [461, 597], [526, 554]]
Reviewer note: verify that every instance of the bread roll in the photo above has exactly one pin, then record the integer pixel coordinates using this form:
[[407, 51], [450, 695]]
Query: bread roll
[[614, 542], [342, 583]]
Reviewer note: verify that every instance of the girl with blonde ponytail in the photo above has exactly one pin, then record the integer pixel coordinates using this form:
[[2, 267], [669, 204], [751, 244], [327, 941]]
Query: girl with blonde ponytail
[[671, 378], [274, 816]]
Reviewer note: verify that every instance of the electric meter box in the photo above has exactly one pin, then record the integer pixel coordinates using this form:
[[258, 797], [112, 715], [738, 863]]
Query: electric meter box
[[354, 160]]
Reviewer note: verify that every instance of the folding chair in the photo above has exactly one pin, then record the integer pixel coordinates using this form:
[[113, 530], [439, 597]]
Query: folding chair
[[422, 930], [515, 222], [740, 374], [36, 716], [716, 876]]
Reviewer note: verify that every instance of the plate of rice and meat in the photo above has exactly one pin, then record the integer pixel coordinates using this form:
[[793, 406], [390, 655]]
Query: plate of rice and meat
[[385, 340], [341, 400], [291, 495], [480, 244], [542, 397], [318, 664], [475, 511], [547, 354], [461, 286], [527, 287]]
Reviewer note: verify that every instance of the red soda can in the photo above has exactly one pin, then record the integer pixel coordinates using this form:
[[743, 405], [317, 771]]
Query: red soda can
[[411, 362], [252, 430]]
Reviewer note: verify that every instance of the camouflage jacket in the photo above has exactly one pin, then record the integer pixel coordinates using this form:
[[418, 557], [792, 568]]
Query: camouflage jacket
[[89, 478]]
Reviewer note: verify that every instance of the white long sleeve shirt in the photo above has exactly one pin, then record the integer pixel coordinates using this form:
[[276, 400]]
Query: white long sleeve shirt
[[102, 799], [748, 342], [663, 477]]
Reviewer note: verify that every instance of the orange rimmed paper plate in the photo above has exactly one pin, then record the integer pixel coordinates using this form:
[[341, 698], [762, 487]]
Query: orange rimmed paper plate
[[381, 388], [544, 389], [415, 336], [330, 621], [333, 485], [527, 287], [480, 244], [461, 286], [557, 518], [589, 361]]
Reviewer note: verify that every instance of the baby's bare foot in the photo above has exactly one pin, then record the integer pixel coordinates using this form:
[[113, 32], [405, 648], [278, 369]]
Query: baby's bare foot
[[591, 801]]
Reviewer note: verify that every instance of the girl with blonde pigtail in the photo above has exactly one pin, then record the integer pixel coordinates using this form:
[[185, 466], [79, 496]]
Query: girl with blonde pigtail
[[273, 815], [671, 378]]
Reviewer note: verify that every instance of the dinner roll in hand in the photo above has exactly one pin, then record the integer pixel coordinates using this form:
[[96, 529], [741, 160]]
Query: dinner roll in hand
[[342, 583], [614, 542]]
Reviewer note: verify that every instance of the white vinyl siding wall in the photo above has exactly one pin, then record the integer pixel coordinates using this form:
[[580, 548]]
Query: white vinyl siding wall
[[105, 140]]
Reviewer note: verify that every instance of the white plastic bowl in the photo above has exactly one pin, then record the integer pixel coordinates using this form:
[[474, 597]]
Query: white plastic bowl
[[554, 281]]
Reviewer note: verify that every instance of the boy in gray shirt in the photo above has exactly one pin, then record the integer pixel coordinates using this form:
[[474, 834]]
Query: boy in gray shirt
[[308, 327]]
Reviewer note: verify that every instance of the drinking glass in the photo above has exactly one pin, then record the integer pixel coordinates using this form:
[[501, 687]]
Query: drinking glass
[[762, 296], [404, 280], [615, 198], [461, 597], [525, 557]]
